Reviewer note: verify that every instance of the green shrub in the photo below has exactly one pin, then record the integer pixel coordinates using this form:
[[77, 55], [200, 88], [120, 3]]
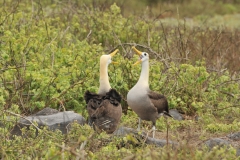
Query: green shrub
[[49, 57]]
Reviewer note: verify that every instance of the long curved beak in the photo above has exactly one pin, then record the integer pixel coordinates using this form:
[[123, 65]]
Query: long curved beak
[[139, 61], [113, 62], [113, 53], [137, 51]]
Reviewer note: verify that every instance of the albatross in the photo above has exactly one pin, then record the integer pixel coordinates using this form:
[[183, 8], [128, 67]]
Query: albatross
[[147, 104], [104, 108]]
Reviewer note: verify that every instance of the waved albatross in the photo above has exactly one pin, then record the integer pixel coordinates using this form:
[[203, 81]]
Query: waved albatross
[[104, 108], [148, 105]]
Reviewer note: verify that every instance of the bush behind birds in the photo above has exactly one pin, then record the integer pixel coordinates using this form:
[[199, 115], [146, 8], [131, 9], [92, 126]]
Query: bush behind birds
[[50, 57]]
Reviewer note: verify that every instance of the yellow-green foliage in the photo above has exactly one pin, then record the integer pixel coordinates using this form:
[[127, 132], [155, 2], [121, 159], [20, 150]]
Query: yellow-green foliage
[[54, 145], [49, 57]]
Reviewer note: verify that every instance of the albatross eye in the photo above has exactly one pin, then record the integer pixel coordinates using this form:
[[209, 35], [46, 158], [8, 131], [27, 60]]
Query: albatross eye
[[145, 54]]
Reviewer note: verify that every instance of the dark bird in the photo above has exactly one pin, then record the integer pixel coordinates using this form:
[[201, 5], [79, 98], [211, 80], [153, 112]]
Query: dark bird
[[147, 104], [104, 108]]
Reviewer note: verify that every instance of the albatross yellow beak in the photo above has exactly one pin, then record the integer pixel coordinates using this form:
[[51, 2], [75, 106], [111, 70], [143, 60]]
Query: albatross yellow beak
[[137, 51], [113, 62], [113, 53], [139, 61]]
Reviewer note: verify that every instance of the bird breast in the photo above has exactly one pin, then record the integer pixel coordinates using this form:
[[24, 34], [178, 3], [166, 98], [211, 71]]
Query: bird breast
[[140, 103]]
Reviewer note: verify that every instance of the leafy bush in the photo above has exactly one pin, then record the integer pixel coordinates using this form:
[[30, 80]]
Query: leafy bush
[[49, 56]]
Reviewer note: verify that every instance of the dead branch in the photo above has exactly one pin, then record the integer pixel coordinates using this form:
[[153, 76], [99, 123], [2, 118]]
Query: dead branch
[[219, 109], [18, 115], [63, 92], [232, 80], [11, 12]]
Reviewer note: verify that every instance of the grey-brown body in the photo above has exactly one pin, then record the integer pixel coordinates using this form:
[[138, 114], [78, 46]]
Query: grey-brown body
[[148, 105]]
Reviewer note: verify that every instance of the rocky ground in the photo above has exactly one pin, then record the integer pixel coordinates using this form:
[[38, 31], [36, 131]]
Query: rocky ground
[[188, 136]]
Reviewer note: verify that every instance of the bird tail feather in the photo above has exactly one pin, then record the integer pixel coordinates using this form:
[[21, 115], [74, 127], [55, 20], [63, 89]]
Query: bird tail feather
[[166, 113]]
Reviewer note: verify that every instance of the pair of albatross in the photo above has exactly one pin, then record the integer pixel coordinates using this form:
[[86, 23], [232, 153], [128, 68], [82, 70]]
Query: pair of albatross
[[105, 109]]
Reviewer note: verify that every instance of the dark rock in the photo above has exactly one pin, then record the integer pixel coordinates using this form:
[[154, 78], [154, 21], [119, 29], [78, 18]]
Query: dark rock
[[52, 119], [160, 142], [46, 111], [234, 136], [197, 118], [229, 140], [175, 114], [217, 142], [123, 131], [238, 152]]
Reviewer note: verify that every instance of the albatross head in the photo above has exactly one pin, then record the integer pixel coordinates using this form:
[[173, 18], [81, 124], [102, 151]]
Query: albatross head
[[107, 59], [143, 56]]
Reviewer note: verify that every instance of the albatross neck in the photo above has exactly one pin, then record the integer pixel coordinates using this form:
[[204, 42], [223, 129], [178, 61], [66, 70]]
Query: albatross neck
[[144, 76], [104, 82]]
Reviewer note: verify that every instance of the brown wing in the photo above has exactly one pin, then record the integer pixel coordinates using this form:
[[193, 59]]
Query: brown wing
[[89, 95], [159, 101], [114, 97], [104, 111], [93, 101]]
